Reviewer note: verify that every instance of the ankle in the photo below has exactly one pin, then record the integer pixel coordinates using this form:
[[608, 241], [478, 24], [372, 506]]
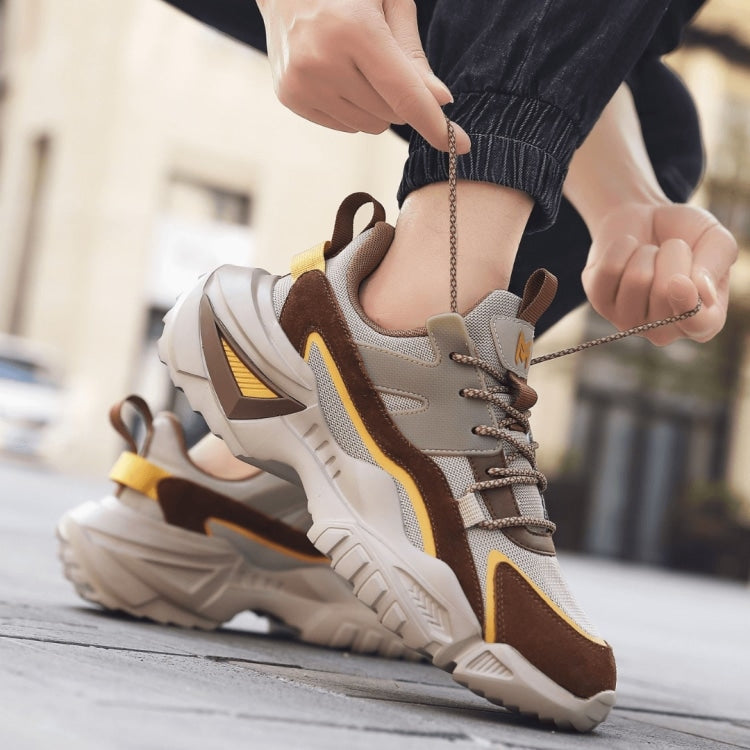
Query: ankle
[[412, 281], [212, 456]]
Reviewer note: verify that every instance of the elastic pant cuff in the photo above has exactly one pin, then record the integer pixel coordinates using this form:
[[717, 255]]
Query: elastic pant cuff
[[521, 143]]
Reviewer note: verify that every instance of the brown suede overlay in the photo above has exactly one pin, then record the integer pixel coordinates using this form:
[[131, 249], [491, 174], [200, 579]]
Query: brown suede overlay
[[190, 506], [526, 622], [311, 307], [502, 504], [234, 404]]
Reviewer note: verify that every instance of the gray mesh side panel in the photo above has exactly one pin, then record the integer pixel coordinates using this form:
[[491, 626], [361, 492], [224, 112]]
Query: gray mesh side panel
[[347, 437], [280, 291], [527, 495], [457, 471], [396, 403], [339, 424], [543, 570], [411, 525]]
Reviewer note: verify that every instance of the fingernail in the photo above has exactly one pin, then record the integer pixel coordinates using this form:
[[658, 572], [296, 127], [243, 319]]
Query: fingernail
[[710, 284], [444, 89], [678, 291], [460, 135]]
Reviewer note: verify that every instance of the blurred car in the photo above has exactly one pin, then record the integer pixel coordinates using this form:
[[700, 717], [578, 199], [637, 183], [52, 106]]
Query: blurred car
[[30, 394]]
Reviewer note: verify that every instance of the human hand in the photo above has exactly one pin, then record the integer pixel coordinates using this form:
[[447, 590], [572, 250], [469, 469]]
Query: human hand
[[356, 65], [652, 260]]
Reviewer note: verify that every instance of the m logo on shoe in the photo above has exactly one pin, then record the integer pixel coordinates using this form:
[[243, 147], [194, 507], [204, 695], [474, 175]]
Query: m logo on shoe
[[523, 350]]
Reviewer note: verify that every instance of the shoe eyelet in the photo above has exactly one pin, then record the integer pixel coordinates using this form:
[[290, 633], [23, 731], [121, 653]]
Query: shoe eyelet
[[462, 392]]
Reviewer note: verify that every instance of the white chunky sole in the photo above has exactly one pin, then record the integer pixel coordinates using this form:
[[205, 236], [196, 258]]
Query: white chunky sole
[[124, 560], [355, 506]]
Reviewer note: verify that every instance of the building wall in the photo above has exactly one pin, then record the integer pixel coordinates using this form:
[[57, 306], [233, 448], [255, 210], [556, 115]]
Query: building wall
[[129, 94]]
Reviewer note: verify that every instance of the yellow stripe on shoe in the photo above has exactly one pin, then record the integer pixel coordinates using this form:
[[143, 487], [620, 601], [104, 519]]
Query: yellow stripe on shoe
[[380, 458], [138, 473]]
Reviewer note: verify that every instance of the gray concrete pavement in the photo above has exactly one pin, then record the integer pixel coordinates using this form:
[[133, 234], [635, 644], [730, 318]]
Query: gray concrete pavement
[[75, 677]]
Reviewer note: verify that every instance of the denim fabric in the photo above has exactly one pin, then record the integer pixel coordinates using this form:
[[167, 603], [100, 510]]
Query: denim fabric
[[530, 78]]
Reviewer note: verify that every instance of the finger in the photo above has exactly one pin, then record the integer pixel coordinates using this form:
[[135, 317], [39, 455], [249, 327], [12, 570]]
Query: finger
[[634, 290], [358, 90], [714, 252], [707, 323], [355, 117], [673, 259], [401, 17], [604, 268], [322, 118], [386, 67]]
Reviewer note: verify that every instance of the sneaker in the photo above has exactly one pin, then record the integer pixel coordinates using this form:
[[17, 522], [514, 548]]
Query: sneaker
[[177, 545], [415, 453]]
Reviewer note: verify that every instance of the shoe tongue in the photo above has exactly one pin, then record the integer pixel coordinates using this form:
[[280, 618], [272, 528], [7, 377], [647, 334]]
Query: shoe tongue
[[501, 328], [501, 338], [502, 324]]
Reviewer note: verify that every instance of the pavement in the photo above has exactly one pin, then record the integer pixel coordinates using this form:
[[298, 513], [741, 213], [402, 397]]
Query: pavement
[[72, 676]]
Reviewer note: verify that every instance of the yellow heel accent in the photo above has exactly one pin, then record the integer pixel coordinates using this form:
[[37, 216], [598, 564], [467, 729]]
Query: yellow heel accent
[[248, 383], [313, 259], [137, 473], [497, 558]]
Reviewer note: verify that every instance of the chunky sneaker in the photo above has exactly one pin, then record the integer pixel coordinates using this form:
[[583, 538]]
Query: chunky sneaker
[[177, 545], [415, 453]]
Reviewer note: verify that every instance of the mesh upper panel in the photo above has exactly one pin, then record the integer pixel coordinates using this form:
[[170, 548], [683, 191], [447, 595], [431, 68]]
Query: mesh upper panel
[[348, 438], [543, 570], [396, 403], [280, 291], [338, 421], [411, 525]]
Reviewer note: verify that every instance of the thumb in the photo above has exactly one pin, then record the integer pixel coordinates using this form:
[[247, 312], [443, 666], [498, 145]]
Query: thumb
[[401, 17], [683, 295]]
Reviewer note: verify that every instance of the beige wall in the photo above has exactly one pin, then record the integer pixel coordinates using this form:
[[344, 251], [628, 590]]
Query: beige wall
[[130, 93]]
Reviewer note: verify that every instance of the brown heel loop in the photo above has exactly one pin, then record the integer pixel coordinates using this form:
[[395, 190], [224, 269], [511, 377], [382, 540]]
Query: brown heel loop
[[343, 228], [142, 408], [538, 294]]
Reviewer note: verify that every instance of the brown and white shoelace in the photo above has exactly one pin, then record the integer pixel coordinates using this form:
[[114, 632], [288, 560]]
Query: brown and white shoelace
[[498, 394]]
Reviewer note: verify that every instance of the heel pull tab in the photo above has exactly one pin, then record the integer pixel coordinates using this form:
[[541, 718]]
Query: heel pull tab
[[343, 228], [314, 259], [538, 294], [117, 421]]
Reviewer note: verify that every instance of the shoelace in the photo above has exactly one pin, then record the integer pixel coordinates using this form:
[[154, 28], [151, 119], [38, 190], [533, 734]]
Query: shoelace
[[501, 476]]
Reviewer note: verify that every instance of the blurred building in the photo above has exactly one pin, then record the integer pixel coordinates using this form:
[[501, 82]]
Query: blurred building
[[139, 148]]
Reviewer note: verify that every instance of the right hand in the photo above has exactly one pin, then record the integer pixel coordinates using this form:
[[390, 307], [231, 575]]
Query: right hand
[[356, 65]]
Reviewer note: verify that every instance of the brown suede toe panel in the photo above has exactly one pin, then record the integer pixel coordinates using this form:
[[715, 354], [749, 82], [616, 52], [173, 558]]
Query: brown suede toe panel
[[526, 622]]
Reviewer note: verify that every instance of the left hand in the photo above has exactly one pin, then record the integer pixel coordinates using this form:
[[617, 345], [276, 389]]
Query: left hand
[[652, 260]]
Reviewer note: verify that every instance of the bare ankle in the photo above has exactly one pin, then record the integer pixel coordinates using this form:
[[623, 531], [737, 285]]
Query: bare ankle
[[412, 281]]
